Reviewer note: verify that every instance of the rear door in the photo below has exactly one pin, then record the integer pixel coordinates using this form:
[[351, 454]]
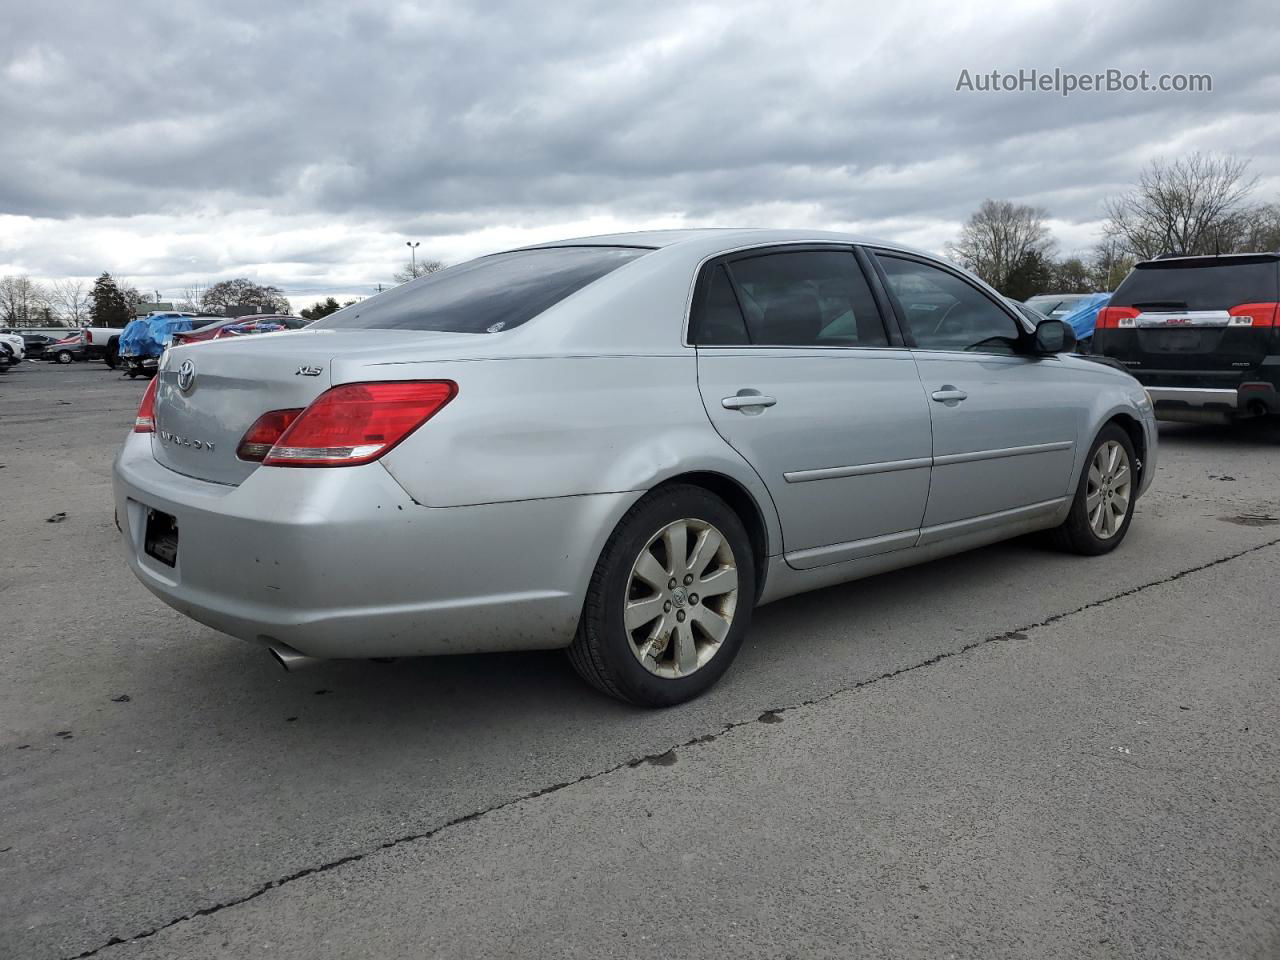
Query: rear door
[[1194, 321], [799, 373], [1005, 424]]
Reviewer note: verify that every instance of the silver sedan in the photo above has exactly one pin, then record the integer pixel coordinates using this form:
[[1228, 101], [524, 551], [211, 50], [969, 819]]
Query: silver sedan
[[620, 445]]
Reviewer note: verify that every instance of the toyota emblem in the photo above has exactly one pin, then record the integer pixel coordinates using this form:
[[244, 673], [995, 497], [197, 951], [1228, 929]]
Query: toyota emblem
[[186, 376]]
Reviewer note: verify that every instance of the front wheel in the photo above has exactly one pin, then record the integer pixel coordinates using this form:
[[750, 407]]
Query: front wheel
[[1105, 497], [670, 600], [64, 356]]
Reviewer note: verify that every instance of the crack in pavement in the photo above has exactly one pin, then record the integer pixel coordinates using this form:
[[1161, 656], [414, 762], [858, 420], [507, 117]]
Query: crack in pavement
[[662, 757]]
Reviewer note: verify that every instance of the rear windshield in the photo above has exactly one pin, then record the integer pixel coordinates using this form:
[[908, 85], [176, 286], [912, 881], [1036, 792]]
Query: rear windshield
[[1198, 284], [484, 296]]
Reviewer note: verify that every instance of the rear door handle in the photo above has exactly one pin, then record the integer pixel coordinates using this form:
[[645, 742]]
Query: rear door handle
[[743, 399], [949, 395]]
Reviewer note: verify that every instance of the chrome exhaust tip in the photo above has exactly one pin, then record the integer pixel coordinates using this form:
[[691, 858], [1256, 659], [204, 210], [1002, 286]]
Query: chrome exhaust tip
[[290, 659]]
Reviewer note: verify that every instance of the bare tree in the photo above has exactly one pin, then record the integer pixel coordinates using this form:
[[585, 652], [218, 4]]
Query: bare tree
[[999, 237], [23, 301], [1109, 263], [1262, 229], [192, 298], [414, 269], [1192, 206], [70, 298]]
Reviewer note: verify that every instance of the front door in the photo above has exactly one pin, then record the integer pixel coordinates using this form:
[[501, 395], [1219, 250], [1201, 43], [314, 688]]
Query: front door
[[798, 375], [1005, 425]]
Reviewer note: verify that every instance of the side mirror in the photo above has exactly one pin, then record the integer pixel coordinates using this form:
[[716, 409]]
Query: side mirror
[[1054, 336]]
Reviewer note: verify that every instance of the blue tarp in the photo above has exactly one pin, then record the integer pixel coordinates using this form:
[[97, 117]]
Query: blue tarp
[[1083, 318], [148, 336]]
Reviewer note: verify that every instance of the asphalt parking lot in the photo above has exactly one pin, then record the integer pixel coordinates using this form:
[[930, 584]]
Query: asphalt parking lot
[[1011, 753]]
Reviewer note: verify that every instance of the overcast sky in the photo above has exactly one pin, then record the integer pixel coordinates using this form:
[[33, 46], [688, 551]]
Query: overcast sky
[[176, 142]]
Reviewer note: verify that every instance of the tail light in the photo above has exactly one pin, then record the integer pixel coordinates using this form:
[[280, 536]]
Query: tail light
[[266, 430], [1254, 315], [145, 421], [357, 423], [1113, 318]]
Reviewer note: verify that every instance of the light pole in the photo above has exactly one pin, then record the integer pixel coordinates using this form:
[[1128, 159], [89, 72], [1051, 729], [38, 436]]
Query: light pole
[[413, 256]]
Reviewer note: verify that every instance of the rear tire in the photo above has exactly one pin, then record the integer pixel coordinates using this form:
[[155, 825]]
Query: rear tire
[[64, 356], [647, 636], [1105, 497]]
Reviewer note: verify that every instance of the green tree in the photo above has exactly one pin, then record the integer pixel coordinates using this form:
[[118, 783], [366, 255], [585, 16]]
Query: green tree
[[321, 308], [107, 306], [1071, 276], [1032, 274]]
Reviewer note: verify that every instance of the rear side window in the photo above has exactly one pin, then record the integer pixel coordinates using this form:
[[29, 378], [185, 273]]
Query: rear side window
[[484, 296], [797, 298], [717, 318], [1209, 284]]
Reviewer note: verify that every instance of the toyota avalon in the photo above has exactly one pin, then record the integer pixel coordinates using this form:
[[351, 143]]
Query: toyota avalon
[[616, 445]]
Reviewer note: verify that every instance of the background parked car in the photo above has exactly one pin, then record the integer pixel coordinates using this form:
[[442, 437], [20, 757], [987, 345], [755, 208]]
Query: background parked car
[[220, 326], [67, 349], [1200, 334], [36, 343], [102, 343], [261, 324], [1056, 305], [145, 338], [1084, 318], [12, 350]]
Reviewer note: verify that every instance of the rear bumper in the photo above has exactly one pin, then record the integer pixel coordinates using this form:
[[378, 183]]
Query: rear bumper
[[342, 563], [1200, 403]]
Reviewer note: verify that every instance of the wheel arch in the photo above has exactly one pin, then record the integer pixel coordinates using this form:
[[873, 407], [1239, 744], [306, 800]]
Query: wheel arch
[[741, 502], [1137, 436]]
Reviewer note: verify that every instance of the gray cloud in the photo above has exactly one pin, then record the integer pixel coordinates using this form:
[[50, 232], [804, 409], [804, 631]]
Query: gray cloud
[[196, 139]]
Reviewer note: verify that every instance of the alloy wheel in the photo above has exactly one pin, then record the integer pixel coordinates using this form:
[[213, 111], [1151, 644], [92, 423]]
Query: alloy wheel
[[681, 597], [1109, 490]]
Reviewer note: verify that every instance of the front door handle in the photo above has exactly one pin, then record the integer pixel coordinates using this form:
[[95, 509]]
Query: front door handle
[[745, 399], [949, 395]]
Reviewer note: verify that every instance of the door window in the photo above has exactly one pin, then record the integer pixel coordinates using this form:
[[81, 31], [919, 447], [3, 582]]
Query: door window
[[803, 298], [944, 312]]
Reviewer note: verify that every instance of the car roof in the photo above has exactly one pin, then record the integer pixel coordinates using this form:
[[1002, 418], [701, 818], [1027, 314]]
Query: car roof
[[1223, 259], [723, 238]]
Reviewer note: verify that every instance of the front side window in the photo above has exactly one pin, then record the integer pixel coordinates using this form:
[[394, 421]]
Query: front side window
[[943, 312], [487, 295]]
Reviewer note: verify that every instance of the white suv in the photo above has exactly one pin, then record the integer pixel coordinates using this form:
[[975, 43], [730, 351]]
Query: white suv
[[12, 350]]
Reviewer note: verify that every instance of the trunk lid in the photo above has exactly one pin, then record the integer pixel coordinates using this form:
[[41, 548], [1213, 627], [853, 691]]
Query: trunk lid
[[210, 393]]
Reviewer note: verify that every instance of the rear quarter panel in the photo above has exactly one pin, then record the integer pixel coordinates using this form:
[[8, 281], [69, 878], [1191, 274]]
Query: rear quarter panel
[[522, 429]]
